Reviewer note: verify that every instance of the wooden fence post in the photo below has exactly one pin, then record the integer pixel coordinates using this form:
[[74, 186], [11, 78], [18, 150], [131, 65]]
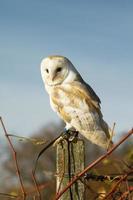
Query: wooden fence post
[[70, 160]]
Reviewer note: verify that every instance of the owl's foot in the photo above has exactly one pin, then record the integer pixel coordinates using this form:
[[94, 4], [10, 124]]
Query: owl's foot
[[73, 136], [69, 135]]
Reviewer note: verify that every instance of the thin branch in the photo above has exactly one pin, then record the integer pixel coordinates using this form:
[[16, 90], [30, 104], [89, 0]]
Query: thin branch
[[128, 189], [36, 185], [34, 141], [43, 150], [8, 195], [126, 164], [40, 187], [94, 163], [29, 193], [117, 184], [89, 188], [90, 176], [14, 155], [125, 194]]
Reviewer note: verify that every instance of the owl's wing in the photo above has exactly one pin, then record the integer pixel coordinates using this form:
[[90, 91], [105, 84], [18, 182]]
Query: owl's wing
[[92, 93], [73, 96], [88, 93]]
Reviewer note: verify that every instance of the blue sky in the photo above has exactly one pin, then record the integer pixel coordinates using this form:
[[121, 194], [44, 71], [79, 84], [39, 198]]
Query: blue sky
[[97, 36]]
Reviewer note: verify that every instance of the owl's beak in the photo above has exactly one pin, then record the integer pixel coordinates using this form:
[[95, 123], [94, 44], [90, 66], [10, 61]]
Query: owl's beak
[[53, 77]]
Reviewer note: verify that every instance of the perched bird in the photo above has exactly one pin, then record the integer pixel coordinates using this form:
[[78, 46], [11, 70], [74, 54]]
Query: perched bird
[[74, 100]]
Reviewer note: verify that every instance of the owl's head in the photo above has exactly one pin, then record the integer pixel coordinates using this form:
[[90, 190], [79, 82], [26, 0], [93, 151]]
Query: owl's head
[[57, 69]]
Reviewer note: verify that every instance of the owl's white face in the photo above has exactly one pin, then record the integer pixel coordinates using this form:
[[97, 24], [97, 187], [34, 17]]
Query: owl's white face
[[54, 70]]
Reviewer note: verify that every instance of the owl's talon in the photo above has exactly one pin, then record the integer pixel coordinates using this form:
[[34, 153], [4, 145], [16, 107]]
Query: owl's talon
[[65, 134], [73, 136], [70, 135]]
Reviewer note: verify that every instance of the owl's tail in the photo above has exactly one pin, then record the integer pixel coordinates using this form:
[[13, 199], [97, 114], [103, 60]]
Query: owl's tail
[[101, 137], [109, 133]]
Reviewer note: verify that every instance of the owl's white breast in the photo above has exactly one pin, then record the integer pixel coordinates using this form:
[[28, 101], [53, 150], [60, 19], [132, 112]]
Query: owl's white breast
[[64, 96]]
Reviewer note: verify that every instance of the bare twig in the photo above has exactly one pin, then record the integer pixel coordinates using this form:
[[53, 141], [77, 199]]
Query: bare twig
[[94, 163], [14, 155], [126, 164], [88, 187], [128, 189], [29, 193], [40, 187], [90, 176], [34, 141], [117, 184], [43, 150], [8, 195], [36, 185], [125, 194]]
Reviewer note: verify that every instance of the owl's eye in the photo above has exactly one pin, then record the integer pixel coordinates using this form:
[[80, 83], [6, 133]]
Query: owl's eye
[[47, 70], [58, 69]]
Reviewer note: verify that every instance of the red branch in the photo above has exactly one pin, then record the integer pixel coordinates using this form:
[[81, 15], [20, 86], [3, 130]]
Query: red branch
[[117, 184], [94, 163], [125, 194], [14, 155]]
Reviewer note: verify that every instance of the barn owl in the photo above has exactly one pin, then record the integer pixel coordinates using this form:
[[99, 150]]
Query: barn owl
[[74, 100]]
